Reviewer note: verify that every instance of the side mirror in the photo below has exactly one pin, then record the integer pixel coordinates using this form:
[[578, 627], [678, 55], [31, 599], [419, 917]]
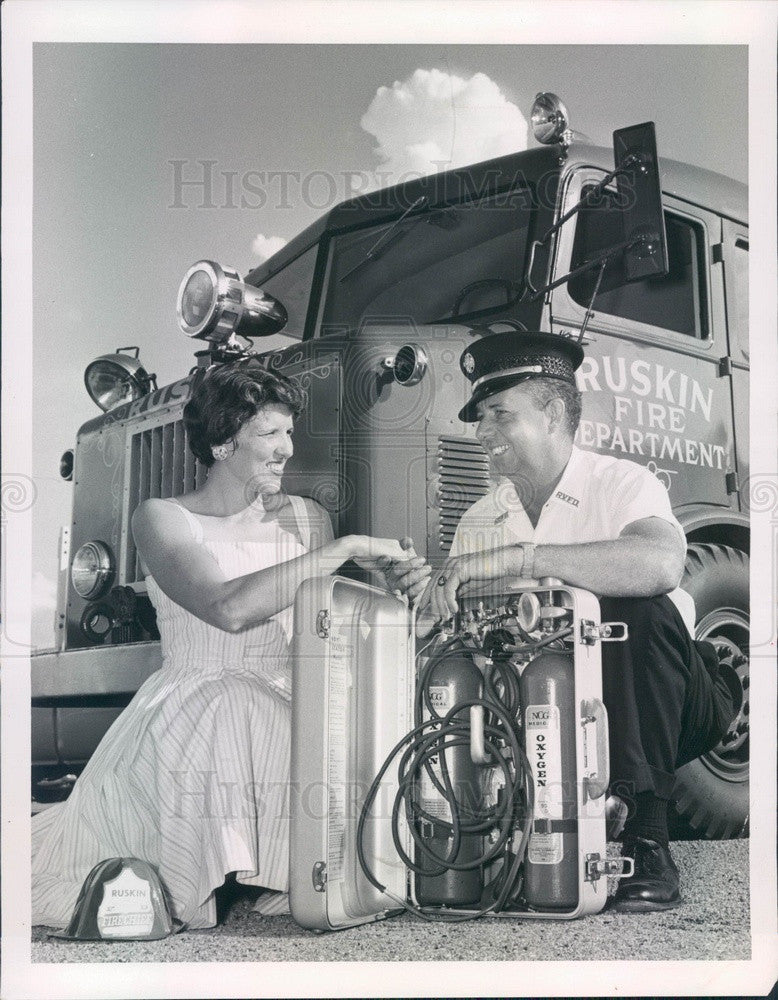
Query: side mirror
[[637, 181], [640, 249]]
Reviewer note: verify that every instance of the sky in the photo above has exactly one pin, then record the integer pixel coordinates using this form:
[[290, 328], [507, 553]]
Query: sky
[[272, 136]]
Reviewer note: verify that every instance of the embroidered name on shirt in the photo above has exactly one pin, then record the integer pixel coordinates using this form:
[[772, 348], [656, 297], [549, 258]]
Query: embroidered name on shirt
[[567, 499]]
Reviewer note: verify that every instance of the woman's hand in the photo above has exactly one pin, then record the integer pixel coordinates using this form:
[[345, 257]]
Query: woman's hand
[[374, 553], [408, 577]]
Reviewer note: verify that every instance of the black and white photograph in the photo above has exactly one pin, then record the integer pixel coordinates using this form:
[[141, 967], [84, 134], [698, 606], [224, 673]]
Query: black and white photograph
[[389, 499]]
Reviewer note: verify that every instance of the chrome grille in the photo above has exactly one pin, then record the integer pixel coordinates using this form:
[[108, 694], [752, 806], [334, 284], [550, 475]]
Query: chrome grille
[[161, 465], [463, 477]]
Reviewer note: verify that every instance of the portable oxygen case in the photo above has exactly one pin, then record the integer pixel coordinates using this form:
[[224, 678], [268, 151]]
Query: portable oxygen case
[[354, 685]]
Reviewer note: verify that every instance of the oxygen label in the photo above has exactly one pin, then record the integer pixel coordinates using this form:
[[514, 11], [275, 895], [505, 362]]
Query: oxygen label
[[544, 750]]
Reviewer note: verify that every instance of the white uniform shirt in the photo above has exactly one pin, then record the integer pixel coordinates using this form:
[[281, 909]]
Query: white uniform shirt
[[596, 498]]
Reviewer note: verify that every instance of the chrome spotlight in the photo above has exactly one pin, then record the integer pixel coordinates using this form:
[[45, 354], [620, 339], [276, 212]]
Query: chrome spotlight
[[213, 304], [550, 120]]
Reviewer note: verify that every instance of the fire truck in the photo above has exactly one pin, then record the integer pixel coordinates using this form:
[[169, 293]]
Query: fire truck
[[643, 260]]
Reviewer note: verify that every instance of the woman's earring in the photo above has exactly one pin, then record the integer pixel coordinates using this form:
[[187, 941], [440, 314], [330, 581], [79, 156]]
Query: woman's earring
[[219, 452]]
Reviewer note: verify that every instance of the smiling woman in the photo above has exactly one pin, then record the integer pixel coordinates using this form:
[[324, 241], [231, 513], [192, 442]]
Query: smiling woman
[[193, 776]]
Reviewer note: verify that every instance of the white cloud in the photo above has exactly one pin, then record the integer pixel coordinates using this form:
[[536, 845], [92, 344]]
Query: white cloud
[[264, 247], [435, 121]]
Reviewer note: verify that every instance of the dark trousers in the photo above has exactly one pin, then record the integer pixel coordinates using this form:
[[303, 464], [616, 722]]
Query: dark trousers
[[666, 705]]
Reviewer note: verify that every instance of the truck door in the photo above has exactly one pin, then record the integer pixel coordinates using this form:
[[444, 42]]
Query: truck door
[[654, 390], [735, 248]]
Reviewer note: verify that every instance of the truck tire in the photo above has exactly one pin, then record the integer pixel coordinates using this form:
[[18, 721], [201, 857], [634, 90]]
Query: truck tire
[[711, 793]]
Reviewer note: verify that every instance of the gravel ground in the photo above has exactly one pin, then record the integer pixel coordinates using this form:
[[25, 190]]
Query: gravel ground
[[712, 924]]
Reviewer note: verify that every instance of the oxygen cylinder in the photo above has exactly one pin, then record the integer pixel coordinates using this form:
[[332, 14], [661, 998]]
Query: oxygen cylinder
[[453, 679], [548, 698]]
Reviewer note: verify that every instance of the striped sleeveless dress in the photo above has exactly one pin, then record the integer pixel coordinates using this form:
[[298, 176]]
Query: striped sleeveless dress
[[193, 775]]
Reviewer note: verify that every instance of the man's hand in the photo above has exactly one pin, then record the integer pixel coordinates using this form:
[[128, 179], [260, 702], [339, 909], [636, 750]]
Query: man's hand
[[441, 590], [408, 577]]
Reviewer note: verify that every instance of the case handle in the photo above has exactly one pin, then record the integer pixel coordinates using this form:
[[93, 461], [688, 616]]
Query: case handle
[[596, 763]]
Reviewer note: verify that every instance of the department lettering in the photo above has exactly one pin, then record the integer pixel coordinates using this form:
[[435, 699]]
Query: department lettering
[[649, 444], [650, 428]]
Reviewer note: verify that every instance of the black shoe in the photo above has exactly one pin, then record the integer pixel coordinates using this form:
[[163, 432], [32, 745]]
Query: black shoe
[[654, 884]]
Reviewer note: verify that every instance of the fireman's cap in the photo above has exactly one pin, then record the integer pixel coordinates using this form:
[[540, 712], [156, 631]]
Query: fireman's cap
[[502, 360], [122, 899]]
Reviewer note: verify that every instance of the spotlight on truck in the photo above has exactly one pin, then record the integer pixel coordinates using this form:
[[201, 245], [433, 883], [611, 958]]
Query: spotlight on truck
[[213, 304], [114, 379], [550, 120]]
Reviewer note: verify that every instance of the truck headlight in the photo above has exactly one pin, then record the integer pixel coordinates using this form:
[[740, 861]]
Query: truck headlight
[[92, 570], [114, 379], [213, 304]]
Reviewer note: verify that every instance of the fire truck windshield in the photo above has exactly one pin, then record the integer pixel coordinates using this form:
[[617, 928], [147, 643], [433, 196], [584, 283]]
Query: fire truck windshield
[[435, 266]]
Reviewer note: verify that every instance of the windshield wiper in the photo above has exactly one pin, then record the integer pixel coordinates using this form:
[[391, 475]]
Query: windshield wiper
[[372, 253]]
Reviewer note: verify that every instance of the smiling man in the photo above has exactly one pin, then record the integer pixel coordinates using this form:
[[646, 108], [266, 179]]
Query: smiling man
[[606, 525]]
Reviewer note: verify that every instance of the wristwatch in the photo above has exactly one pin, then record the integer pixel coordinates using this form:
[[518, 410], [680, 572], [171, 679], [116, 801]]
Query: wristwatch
[[528, 560]]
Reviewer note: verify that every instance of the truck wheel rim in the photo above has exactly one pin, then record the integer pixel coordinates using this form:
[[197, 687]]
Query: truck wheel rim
[[728, 630]]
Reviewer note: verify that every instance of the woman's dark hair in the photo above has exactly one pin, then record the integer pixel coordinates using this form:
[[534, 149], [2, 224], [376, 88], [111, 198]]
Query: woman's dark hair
[[227, 397]]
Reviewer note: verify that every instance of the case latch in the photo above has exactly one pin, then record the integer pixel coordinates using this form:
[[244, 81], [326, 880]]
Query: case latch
[[605, 632], [319, 876], [596, 867], [323, 624]]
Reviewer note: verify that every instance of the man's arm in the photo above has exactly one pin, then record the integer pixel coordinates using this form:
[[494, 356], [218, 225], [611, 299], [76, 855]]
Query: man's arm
[[644, 561]]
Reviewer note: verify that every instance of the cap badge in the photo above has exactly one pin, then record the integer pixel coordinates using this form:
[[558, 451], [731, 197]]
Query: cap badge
[[468, 363]]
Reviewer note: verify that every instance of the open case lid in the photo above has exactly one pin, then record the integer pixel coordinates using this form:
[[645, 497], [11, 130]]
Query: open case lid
[[353, 675], [353, 670]]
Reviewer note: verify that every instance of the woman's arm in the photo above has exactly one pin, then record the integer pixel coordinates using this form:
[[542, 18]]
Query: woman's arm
[[191, 577]]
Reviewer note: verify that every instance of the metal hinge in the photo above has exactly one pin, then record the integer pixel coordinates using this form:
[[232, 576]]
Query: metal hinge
[[591, 633], [733, 483], [596, 867], [319, 876], [725, 366], [717, 253], [323, 624]]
